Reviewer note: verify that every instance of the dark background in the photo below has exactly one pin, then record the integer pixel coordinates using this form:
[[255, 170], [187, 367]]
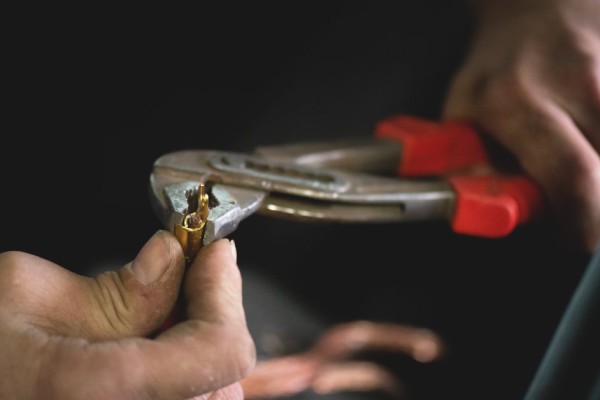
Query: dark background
[[92, 101]]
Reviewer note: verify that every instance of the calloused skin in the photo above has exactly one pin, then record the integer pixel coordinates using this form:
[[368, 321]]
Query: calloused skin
[[532, 81], [66, 336]]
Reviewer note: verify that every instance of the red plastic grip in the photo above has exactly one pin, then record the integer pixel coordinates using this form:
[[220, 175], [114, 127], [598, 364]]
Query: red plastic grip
[[431, 148], [493, 205]]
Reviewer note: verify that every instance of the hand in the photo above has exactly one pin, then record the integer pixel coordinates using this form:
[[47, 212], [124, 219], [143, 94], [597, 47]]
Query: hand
[[332, 363], [65, 336], [532, 81]]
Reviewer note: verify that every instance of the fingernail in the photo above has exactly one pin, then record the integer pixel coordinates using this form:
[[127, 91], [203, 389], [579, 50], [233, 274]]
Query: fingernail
[[233, 250], [153, 259]]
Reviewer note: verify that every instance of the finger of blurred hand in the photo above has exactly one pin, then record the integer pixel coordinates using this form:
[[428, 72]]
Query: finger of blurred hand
[[281, 377]]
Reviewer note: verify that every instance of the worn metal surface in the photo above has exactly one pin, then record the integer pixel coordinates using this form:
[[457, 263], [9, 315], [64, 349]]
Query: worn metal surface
[[367, 155]]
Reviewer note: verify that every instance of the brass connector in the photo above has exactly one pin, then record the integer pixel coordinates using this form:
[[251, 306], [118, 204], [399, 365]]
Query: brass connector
[[190, 232]]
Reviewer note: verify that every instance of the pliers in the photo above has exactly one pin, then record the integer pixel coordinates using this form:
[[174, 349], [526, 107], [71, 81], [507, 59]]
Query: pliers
[[410, 169]]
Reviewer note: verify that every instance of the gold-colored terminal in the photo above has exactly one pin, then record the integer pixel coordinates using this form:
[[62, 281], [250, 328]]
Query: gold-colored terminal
[[191, 231]]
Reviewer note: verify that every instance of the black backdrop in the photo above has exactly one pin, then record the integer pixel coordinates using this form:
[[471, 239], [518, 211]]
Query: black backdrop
[[92, 101]]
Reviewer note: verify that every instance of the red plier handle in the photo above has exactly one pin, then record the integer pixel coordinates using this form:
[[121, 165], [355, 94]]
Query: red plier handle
[[488, 205]]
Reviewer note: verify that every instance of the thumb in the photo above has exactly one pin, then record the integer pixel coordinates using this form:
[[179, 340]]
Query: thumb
[[136, 299]]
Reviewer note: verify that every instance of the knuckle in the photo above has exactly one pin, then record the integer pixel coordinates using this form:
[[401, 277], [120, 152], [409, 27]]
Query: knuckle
[[513, 111], [12, 257], [507, 93], [14, 271]]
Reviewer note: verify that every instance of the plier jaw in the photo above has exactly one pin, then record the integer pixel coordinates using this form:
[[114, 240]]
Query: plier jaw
[[183, 188], [227, 205]]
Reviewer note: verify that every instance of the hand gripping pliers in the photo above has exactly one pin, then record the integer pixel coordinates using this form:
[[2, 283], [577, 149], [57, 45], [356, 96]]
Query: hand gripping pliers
[[410, 169]]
